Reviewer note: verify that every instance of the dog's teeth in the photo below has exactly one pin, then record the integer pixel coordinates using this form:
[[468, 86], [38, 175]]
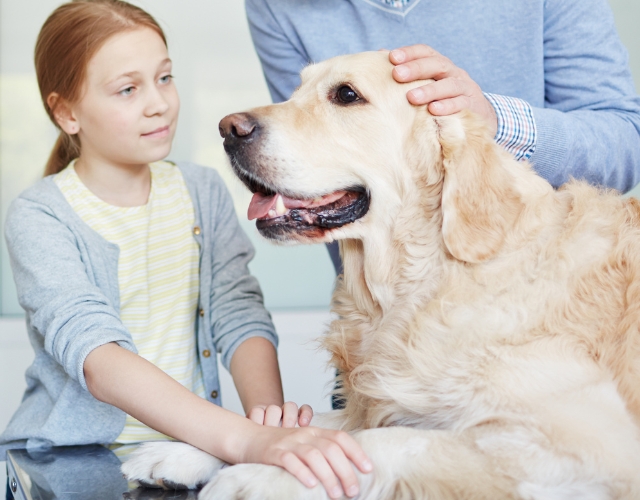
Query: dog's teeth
[[280, 208], [271, 213]]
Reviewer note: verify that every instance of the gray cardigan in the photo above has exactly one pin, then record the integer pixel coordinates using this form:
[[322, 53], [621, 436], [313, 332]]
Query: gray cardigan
[[67, 280]]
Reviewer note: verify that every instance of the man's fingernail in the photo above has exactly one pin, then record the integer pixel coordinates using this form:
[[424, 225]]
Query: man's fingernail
[[368, 466], [417, 94], [436, 106], [402, 71], [352, 491], [398, 55]]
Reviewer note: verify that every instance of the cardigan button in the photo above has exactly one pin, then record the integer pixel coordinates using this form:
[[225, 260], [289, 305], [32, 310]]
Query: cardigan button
[[214, 394], [196, 230], [201, 312], [206, 353]]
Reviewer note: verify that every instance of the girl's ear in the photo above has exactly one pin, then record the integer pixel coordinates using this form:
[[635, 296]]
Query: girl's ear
[[63, 114], [479, 200]]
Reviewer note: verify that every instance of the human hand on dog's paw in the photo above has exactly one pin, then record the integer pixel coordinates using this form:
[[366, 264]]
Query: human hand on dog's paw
[[311, 454], [286, 416], [453, 89]]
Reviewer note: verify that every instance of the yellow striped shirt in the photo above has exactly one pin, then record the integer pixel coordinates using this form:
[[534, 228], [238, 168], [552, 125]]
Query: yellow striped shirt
[[157, 274]]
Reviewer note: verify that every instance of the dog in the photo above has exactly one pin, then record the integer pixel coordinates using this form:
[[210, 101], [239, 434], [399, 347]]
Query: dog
[[486, 325]]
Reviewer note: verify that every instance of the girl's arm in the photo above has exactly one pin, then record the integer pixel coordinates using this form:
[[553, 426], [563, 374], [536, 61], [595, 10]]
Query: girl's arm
[[256, 374], [136, 386]]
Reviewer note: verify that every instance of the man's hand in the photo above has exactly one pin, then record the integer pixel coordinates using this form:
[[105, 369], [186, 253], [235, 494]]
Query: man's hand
[[453, 89], [286, 416]]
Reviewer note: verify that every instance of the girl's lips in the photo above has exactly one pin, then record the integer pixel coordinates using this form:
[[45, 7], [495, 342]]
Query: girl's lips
[[159, 132]]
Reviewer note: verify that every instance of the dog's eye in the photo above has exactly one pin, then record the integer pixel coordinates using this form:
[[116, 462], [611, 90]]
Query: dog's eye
[[347, 95]]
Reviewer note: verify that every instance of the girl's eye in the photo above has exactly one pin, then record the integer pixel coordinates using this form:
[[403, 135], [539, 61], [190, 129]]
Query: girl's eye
[[166, 78], [127, 91]]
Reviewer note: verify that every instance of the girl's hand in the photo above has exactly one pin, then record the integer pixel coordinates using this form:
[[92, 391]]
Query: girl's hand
[[312, 454], [453, 89], [286, 416]]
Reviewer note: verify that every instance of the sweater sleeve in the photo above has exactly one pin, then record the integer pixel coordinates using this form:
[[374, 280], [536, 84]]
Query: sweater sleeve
[[589, 127], [62, 304], [237, 310], [282, 59]]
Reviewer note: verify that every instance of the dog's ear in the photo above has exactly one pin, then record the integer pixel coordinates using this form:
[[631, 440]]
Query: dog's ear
[[479, 200]]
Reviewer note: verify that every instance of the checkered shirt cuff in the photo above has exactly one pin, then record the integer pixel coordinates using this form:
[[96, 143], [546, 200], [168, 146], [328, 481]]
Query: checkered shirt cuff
[[516, 127]]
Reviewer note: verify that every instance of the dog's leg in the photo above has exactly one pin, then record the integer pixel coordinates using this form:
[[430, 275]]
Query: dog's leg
[[170, 465], [409, 464], [495, 461]]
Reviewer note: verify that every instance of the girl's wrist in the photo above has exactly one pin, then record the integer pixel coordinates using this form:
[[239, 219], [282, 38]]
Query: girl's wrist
[[238, 444]]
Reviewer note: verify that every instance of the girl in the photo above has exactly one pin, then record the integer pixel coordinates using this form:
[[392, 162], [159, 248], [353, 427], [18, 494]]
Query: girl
[[133, 271]]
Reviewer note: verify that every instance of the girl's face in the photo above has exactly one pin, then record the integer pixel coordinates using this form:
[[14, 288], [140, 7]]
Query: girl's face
[[128, 111]]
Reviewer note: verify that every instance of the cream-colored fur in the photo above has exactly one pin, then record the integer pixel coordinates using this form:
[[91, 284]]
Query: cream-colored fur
[[487, 324]]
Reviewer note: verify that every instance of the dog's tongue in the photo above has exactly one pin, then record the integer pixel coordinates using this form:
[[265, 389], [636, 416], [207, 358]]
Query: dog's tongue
[[262, 204]]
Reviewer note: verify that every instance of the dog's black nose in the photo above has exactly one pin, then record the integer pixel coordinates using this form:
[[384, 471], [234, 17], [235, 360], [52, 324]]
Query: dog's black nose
[[238, 128]]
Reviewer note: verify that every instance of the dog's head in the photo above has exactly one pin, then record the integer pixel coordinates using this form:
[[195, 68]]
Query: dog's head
[[348, 153]]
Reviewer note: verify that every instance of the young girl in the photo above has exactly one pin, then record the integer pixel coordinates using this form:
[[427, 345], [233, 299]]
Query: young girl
[[133, 271]]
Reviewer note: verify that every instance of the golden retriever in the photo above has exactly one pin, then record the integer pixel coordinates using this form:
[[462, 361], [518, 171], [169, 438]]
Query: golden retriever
[[486, 324]]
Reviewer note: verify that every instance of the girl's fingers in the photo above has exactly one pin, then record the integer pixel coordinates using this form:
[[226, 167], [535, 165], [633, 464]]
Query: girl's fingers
[[353, 451], [295, 466], [272, 416], [320, 466], [289, 414], [305, 415], [340, 466], [256, 414]]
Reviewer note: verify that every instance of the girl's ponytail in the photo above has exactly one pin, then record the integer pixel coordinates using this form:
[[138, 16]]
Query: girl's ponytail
[[65, 149], [68, 39]]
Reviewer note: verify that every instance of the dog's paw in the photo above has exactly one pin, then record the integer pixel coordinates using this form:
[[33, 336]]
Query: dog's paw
[[258, 482], [170, 465]]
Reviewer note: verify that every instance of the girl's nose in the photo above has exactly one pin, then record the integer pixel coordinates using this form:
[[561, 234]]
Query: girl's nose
[[157, 103]]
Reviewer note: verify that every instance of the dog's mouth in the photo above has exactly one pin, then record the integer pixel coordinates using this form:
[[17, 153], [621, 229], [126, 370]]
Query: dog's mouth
[[280, 215]]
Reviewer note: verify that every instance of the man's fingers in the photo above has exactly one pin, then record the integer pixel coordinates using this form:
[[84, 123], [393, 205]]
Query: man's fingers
[[450, 106], [429, 68], [289, 414], [443, 89], [272, 416], [305, 415], [256, 414], [411, 52]]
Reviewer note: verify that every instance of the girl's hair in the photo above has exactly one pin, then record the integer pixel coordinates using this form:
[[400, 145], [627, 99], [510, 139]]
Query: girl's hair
[[68, 40]]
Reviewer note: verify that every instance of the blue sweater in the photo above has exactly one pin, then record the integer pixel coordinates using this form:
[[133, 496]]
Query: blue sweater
[[563, 57]]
